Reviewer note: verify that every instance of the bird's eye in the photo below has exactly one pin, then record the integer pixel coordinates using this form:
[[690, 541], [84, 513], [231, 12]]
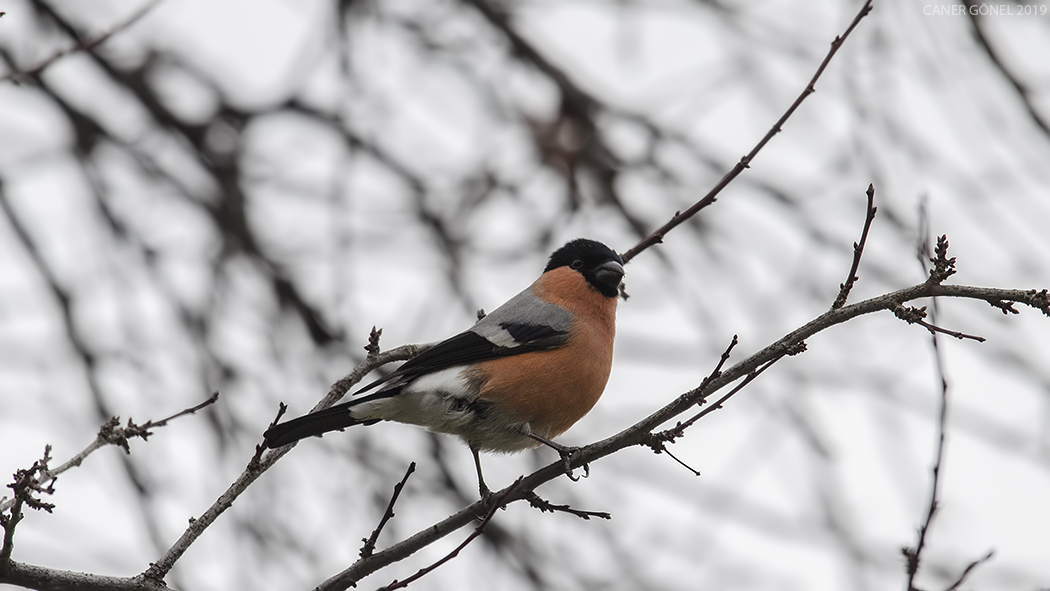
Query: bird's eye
[[577, 263]]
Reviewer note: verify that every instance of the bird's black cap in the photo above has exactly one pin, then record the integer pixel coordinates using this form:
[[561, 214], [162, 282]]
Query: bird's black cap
[[598, 263]]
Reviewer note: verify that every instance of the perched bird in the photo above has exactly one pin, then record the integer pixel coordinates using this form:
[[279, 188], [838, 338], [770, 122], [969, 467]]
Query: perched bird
[[518, 378]]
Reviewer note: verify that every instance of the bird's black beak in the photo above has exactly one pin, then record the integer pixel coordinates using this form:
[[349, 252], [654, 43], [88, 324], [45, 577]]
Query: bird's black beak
[[608, 275]]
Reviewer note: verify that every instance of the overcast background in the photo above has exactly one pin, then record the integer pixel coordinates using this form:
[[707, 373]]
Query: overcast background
[[227, 195]]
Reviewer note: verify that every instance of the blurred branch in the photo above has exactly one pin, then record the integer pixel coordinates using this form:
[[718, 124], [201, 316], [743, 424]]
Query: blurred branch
[[914, 555], [657, 235], [943, 267], [640, 433], [20, 76], [571, 143], [969, 568], [1023, 92]]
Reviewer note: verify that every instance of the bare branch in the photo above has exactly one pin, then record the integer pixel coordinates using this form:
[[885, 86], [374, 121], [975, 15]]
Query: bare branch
[[110, 433], [262, 462], [370, 542], [546, 506], [914, 555], [969, 568], [858, 251], [86, 45], [913, 315], [51, 579], [189, 411], [641, 432], [496, 503], [658, 235], [25, 487], [1028, 95]]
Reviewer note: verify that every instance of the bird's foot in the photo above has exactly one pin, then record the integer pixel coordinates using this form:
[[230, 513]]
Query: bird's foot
[[566, 453]]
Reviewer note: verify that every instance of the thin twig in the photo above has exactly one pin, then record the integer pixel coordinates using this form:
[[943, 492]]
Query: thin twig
[[370, 542], [260, 463], [496, 503], [717, 371], [189, 411], [1027, 94], [745, 162], [718, 404], [969, 568], [913, 315], [547, 507], [858, 251], [110, 434]]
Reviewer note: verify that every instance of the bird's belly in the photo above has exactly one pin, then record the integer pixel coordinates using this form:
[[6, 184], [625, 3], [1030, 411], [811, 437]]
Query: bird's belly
[[447, 402]]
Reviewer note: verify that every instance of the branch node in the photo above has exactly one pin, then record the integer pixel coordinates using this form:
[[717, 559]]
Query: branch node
[[547, 507], [373, 342], [1006, 307], [943, 267], [1039, 300], [913, 315], [26, 484]]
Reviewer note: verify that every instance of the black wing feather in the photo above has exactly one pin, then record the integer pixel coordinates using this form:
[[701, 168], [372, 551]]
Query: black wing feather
[[469, 347], [534, 337]]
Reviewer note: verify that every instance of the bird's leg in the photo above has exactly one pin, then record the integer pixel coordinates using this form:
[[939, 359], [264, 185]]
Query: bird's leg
[[566, 455], [483, 489]]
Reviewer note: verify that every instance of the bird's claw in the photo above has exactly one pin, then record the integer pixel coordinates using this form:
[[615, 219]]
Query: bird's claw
[[566, 454]]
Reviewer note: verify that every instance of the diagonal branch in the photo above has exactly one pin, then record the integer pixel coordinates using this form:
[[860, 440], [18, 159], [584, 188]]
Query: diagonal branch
[[658, 235], [370, 543], [641, 432], [262, 462], [109, 434], [1025, 92], [496, 502], [86, 45]]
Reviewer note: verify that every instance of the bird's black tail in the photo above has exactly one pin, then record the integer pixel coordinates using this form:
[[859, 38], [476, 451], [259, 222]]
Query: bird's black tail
[[330, 419]]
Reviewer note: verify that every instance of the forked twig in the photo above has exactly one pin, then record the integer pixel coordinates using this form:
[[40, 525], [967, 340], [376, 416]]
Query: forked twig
[[495, 503], [111, 433]]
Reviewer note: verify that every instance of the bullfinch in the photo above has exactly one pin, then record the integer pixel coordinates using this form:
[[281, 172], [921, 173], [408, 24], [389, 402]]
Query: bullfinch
[[520, 377]]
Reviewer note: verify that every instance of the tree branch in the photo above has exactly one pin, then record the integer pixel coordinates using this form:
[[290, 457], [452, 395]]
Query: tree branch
[[19, 76], [370, 542], [262, 462], [658, 235], [495, 503], [640, 432], [858, 251], [109, 434], [52, 579]]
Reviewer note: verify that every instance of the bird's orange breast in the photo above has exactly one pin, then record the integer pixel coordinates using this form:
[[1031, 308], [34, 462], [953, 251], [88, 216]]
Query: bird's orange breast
[[551, 390]]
